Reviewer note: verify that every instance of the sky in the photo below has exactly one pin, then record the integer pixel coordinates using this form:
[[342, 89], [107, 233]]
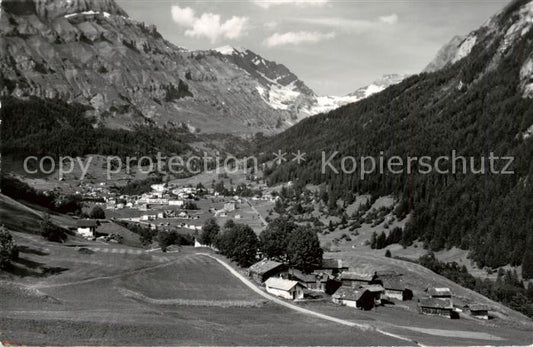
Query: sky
[[334, 46]]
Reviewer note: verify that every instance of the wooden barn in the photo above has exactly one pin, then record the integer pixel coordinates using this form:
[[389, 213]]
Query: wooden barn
[[320, 282], [395, 289], [286, 289], [478, 311], [265, 269], [361, 299], [437, 307], [355, 279]]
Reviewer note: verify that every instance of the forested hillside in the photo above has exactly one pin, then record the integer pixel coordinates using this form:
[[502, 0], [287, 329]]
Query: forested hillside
[[476, 106], [41, 127]]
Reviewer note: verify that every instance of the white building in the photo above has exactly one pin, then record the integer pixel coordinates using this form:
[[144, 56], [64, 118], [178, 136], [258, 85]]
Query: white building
[[287, 289]]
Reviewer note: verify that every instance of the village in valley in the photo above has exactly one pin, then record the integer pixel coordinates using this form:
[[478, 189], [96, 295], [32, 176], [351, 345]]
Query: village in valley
[[186, 208]]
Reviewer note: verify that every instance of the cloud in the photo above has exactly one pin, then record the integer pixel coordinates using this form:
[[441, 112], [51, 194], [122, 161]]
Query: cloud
[[338, 22], [349, 25], [392, 19], [208, 24], [269, 3], [296, 38], [271, 25]]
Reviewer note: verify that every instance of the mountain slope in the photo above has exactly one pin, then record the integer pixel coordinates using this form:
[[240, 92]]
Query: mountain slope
[[477, 105], [91, 52]]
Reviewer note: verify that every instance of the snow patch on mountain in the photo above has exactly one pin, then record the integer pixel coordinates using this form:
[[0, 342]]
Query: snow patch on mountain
[[325, 104], [279, 97], [282, 97]]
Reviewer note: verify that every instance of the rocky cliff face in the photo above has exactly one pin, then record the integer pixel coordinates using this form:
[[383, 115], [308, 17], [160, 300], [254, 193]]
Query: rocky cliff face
[[90, 51]]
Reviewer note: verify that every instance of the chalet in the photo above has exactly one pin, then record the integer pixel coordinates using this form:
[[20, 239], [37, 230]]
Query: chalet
[[332, 266], [319, 282], [361, 298], [478, 311], [265, 269], [439, 293], [437, 307], [286, 289], [87, 227], [394, 289], [355, 280], [376, 290]]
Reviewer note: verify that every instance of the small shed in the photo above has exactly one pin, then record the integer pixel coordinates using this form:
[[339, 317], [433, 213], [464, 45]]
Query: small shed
[[286, 289], [361, 298], [478, 311], [437, 307], [266, 268]]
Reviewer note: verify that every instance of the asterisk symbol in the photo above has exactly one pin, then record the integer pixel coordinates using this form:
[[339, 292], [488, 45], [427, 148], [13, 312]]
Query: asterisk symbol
[[299, 157], [280, 157]]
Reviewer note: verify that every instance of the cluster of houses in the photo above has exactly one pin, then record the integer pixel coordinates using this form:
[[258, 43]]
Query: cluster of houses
[[161, 194], [359, 290]]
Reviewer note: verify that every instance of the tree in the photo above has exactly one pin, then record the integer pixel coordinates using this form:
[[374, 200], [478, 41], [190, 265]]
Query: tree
[[50, 231], [209, 233], [373, 240], [7, 247], [97, 213], [388, 253], [279, 207], [527, 261], [304, 249], [274, 239], [239, 243], [381, 241], [165, 239]]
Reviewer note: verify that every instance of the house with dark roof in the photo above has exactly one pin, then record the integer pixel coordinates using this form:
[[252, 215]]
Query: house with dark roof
[[361, 298], [87, 227], [357, 279], [396, 290], [287, 289], [265, 269], [437, 307], [316, 281]]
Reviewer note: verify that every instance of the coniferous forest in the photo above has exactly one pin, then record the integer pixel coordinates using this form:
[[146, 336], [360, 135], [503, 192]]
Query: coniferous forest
[[470, 107]]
